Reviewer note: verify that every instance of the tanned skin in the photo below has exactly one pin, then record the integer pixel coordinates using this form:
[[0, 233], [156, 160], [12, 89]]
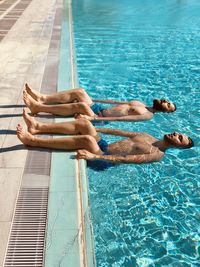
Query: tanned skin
[[134, 148], [77, 101]]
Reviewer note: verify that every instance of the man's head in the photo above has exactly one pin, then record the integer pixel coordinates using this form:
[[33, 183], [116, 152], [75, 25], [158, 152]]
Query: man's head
[[163, 105], [178, 140]]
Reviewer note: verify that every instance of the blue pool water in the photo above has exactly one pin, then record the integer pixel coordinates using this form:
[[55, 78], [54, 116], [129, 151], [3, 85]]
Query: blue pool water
[[144, 215]]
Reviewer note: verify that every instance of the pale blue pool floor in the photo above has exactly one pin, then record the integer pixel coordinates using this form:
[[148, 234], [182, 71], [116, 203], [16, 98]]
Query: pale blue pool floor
[[145, 215]]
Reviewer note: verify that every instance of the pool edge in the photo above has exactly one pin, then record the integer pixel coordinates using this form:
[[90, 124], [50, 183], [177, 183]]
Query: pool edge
[[78, 239]]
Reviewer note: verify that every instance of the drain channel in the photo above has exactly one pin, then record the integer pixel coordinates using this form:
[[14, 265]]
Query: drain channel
[[26, 243]]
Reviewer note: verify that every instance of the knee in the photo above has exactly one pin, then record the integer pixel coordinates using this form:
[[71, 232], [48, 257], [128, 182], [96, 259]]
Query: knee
[[88, 140], [79, 92], [82, 106], [83, 124]]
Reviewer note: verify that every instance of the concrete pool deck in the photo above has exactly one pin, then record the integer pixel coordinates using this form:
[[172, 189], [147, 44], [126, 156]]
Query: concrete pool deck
[[30, 34]]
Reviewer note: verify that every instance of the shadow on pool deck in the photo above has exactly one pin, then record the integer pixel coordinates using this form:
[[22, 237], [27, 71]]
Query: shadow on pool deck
[[22, 147], [42, 116], [12, 106], [6, 131], [11, 148], [10, 115]]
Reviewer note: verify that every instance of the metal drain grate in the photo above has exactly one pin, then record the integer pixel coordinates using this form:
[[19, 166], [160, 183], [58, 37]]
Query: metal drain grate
[[38, 162], [26, 243]]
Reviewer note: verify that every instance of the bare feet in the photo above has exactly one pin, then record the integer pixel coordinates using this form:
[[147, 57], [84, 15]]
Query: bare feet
[[34, 94], [31, 103], [32, 124], [25, 137]]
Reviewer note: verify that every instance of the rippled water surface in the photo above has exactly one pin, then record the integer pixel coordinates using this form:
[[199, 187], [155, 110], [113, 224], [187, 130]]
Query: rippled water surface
[[144, 215]]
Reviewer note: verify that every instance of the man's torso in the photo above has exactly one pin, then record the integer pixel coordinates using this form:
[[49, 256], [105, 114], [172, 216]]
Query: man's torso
[[139, 144], [132, 108]]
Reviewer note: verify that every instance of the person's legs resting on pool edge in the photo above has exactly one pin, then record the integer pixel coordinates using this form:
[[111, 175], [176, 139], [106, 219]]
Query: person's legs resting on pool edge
[[76, 127], [87, 108], [137, 148], [60, 109], [68, 96]]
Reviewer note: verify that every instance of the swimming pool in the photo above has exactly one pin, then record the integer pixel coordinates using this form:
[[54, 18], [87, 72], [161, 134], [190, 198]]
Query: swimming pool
[[144, 215]]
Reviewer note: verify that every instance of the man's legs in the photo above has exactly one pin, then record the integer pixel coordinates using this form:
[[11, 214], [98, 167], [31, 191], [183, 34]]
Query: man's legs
[[60, 109], [81, 126], [69, 96], [67, 143]]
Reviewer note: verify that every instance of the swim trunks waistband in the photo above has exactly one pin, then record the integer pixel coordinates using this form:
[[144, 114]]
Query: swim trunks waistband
[[99, 164], [103, 146], [97, 109]]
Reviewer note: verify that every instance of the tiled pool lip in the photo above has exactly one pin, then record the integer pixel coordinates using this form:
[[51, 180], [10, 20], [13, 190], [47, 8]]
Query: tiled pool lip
[[69, 239], [86, 217]]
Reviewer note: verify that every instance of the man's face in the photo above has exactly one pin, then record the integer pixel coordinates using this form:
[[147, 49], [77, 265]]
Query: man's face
[[163, 105], [177, 140]]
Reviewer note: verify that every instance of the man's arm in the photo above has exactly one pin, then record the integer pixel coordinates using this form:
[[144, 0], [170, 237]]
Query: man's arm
[[117, 132], [137, 159], [109, 101], [143, 117]]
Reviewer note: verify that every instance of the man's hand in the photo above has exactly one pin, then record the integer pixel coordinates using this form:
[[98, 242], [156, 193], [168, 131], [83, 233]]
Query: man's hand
[[84, 154], [86, 117]]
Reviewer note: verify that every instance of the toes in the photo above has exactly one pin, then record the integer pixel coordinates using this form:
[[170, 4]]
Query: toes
[[25, 93], [18, 130], [27, 86], [25, 97], [25, 112]]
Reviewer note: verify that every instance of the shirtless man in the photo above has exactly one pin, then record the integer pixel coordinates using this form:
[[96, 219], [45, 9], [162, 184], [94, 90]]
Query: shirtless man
[[136, 148], [77, 101]]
